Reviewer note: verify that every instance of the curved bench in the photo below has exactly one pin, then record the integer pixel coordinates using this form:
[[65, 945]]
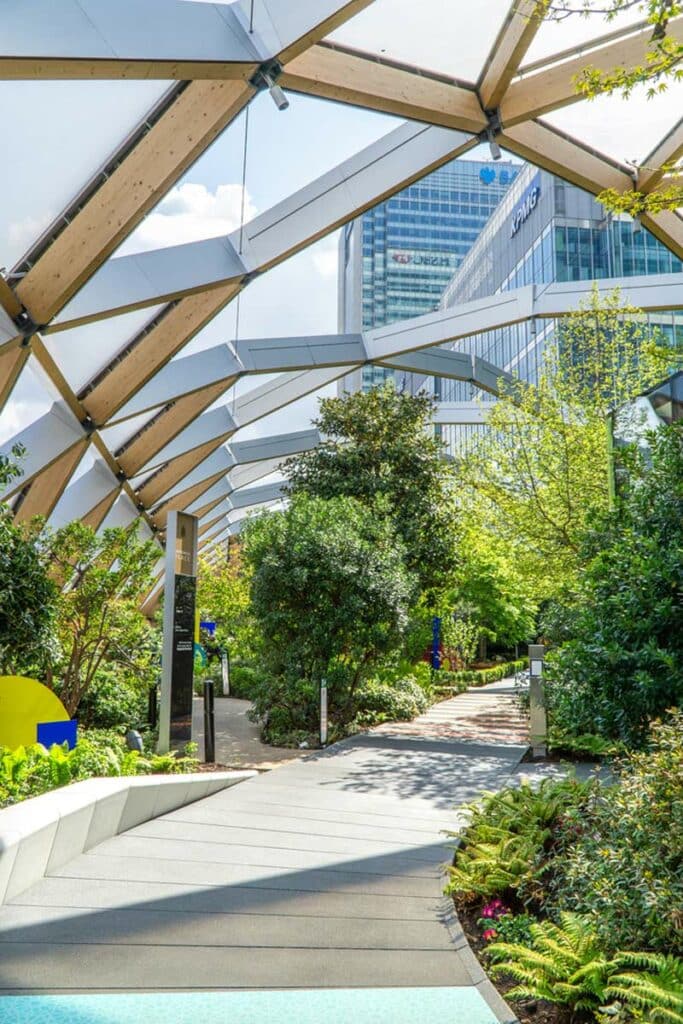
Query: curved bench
[[39, 835]]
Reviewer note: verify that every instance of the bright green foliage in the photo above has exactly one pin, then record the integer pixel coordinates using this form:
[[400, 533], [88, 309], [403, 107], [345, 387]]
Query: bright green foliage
[[223, 598], [27, 595], [655, 992], [564, 964], [331, 594], [30, 771], [505, 843], [460, 638], [479, 677], [98, 619], [116, 697], [624, 664], [489, 583], [379, 448], [619, 858], [540, 478], [661, 63]]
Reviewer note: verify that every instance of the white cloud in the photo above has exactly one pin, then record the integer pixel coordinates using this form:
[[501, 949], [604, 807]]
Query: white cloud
[[22, 233], [189, 213]]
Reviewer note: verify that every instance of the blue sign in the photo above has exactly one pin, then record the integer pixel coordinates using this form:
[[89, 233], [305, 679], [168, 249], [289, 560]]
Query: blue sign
[[49, 733], [208, 627], [436, 642], [488, 175], [527, 205]]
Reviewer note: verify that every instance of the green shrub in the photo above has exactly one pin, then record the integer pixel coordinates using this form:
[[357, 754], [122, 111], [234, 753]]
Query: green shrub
[[30, 771], [113, 699], [564, 964], [400, 701], [245, 681], [620, 859], [504, 848], [478, 677], [654, 993]]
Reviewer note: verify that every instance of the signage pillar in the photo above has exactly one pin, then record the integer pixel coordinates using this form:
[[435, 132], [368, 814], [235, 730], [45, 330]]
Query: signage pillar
[[538, 725], [225, 673], [177, 662]]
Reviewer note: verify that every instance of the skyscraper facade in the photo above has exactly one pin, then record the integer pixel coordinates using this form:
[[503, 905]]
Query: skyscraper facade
[[396, 260], [543, 231]]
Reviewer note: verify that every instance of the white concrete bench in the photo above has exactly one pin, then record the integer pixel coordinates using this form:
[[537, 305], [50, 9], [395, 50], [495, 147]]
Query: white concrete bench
[[39, 835]]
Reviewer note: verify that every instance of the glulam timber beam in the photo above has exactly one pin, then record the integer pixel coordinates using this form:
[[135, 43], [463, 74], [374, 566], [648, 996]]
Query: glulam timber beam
[[365, 179], [191, 123], [555, 87], [516, 36], [666, 153], [95, 39], [343, 75], [151, 350]]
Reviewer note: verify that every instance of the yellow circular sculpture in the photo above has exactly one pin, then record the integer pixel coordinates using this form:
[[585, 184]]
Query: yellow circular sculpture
[[24, 704]]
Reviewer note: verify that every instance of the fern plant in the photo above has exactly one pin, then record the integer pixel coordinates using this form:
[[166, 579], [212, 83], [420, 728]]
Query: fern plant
[[654, 993], [564, 964]]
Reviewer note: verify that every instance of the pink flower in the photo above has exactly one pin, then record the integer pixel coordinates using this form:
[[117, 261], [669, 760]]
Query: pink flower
[[489, 934]]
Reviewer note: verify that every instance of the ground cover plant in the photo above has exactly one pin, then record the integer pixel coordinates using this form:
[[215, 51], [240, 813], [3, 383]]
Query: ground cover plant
[[572, 892], [31, 770]]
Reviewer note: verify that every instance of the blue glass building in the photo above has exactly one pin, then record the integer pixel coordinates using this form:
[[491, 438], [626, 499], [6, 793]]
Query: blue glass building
[[543, 231], [396, 260]]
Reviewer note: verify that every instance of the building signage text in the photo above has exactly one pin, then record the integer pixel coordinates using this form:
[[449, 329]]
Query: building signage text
[[526, 207], [422, 259]]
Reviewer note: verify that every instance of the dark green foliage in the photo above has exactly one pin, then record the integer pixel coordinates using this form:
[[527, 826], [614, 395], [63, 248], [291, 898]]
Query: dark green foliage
[[27, 594], [331, 594], [624, 665], [115, 698], [480, 677], [379, 448], [620, 860]]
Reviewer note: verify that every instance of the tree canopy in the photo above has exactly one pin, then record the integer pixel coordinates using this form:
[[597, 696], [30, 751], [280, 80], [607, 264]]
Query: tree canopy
[[379, 448]]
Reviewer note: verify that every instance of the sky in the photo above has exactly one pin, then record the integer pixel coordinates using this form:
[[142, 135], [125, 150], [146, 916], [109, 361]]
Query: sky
[[61, 131]]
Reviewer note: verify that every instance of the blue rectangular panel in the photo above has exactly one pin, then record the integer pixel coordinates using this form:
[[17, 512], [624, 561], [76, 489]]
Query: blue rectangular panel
[[322, 1006], [49, 733]]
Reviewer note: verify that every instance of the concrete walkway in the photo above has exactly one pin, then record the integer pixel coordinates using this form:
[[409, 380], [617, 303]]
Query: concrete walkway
[[321, 874], [485, 714], [238, 741]]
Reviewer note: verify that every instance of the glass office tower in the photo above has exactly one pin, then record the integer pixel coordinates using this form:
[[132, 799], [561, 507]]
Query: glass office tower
[[543, 231], [396, 260]]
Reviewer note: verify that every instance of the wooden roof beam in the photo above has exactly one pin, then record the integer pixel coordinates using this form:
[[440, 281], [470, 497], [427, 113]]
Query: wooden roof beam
[[523, 22]]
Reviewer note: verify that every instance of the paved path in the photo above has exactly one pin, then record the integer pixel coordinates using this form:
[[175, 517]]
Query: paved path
[[486, 714], [323, 874], [238, 741]]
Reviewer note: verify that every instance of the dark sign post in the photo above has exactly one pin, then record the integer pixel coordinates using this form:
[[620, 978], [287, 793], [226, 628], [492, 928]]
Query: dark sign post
[[177, 663], [436, 643]]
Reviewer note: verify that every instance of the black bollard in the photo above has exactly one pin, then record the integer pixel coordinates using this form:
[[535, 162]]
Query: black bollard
[[152, 707], [209, 723]]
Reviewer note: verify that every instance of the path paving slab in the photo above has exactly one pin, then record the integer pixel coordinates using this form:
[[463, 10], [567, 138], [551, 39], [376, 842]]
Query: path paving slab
[[325, 873]]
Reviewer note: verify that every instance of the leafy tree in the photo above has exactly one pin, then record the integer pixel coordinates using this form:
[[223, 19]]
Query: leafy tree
[[490, 584], [624, 665], [105, 576], [540, 476], [330, 592], [379, 448], [223, 596], [27, 594], [663, 62]]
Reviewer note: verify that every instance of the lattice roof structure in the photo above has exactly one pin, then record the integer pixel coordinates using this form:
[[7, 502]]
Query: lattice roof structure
[[109, 327]]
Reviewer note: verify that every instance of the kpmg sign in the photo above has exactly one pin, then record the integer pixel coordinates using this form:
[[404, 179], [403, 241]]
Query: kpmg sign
[[527, 205]]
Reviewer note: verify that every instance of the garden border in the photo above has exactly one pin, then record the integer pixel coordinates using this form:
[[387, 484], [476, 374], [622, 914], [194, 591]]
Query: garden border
[[39, 835]]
